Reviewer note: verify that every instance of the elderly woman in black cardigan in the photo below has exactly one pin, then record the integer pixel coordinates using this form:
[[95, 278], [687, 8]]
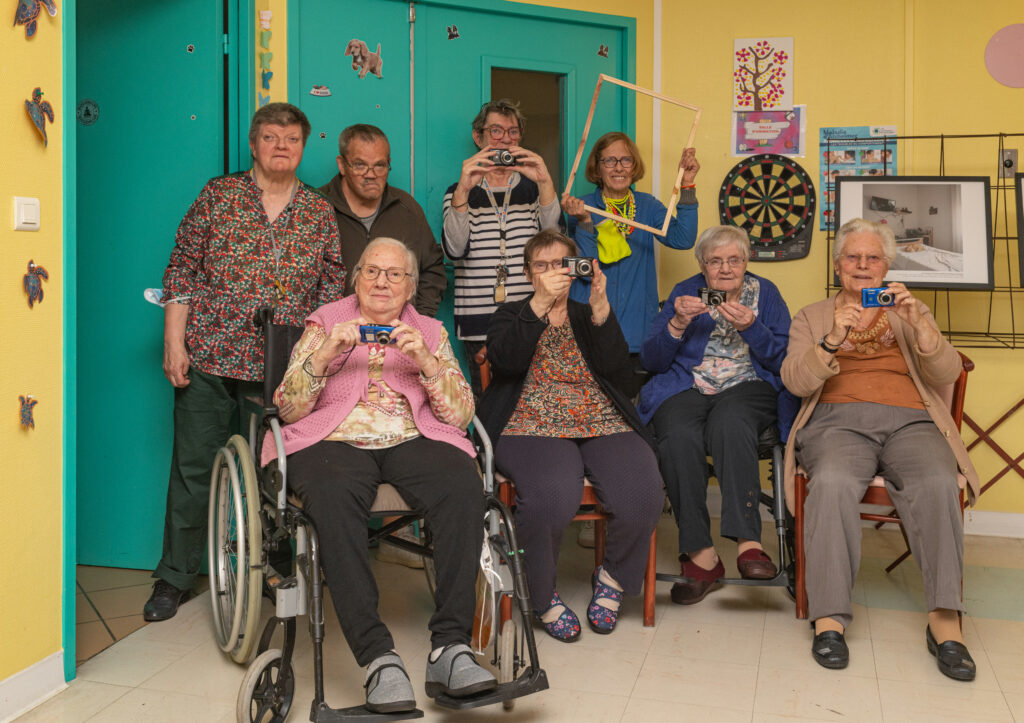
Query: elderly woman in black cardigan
[[557, 407]]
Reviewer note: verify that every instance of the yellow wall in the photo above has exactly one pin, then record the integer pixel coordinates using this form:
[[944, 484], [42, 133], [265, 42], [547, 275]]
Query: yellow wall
[[859, 63], [30, 357], [278, 46]]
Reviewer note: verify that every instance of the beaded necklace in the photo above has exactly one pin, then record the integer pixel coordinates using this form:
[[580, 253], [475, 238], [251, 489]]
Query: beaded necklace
[[624, 207]]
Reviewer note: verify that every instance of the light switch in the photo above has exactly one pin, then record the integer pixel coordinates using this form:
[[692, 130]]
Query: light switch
[[26, 214]]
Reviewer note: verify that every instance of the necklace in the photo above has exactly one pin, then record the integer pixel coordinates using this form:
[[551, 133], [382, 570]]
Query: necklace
[[624, 207], [868, 341]]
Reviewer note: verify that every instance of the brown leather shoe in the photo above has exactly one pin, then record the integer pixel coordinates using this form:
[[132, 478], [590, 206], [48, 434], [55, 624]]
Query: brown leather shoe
[[704, 581], [756, 565]]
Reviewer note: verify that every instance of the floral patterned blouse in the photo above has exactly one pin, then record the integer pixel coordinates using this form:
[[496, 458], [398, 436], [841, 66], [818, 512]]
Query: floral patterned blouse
[[224, 263], [560, 397], [384, 419]]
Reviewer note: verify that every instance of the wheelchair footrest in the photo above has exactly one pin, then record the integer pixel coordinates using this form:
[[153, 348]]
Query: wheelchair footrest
[[531, 681], [358, 714]]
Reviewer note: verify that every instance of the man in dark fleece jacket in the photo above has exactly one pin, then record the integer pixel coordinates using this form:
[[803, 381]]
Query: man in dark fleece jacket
[[366, 207]]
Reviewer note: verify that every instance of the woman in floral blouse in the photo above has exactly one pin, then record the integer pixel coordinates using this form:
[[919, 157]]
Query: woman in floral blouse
[[557, 400], [255, 238], [361, 413]]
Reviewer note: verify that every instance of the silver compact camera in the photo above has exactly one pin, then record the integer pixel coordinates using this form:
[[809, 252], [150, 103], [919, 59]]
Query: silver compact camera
[[578, 265], [710, 297], [503, 158]]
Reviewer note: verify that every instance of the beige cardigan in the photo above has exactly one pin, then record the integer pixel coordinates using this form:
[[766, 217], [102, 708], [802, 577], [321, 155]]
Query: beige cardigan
[[804, 374]]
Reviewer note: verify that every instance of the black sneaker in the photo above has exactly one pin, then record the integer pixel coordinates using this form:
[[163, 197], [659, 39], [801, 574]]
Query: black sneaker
[[164, 602]]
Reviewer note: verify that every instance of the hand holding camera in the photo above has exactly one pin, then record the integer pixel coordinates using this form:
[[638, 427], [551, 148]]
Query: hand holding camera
[[340, 339], [410, 342]]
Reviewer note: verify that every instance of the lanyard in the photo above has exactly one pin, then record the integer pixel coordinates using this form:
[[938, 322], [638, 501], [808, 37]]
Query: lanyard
[[502, 214], [275, 249]]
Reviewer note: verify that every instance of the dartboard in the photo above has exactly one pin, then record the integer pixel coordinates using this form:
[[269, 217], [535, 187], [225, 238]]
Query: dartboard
[[772, 199]]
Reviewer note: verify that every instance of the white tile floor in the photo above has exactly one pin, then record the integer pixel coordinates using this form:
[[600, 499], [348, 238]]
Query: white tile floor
[[740, 655]]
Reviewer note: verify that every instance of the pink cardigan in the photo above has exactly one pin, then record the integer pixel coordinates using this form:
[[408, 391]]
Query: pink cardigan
[[343, 390]]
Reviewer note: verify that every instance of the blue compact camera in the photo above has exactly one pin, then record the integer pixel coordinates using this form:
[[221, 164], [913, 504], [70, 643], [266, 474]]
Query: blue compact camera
[[877, 297], [373, 334]]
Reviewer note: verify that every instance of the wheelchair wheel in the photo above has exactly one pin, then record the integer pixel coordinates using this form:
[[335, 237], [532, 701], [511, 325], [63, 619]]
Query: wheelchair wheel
[[266, 692], [235, 549], [507, 658]]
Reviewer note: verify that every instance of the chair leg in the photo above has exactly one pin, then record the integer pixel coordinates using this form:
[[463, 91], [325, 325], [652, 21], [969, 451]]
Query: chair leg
[[800, 494], [600, 533], [906, 553], [649, 581]]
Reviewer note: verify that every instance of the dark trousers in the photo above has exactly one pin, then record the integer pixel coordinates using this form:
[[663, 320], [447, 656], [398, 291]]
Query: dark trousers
[[337, 484], [471, 348], [548, 474], [206, 413], [690, 426]]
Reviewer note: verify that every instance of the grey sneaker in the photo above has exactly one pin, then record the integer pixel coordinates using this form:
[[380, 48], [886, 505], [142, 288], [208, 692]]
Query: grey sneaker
[[388, 689], [456, 673]]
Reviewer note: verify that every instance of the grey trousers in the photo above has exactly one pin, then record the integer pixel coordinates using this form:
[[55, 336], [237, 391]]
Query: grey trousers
[[842, 448]]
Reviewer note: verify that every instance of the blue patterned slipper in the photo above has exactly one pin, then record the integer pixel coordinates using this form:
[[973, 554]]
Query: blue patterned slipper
[[566, 627], [602, 620]]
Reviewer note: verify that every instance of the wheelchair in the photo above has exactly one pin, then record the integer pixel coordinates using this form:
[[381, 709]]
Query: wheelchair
[[770, 448], [252, 520]]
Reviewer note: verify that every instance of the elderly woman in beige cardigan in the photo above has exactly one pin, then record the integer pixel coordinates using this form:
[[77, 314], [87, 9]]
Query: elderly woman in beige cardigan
[[869, 380]]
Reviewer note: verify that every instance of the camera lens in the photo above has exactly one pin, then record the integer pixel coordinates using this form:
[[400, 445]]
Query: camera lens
[[714, 299], [585, 268], [885, 298], [382, 337]]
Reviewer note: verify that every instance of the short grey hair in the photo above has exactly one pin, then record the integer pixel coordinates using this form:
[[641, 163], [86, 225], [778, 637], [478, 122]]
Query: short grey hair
[[411, 262], [718, 236], [278, 114], [861, 225], [502, 106], [363, 132]]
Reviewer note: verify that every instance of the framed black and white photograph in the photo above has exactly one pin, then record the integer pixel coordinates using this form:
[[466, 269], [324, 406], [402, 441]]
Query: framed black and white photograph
[[1018, 183], [942, 225]]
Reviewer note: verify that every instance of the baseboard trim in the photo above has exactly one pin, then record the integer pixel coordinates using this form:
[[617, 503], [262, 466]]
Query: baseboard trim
[[29, 687], [976, 522]]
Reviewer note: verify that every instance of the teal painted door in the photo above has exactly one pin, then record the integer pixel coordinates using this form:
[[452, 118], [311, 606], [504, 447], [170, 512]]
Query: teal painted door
[[155, 71]]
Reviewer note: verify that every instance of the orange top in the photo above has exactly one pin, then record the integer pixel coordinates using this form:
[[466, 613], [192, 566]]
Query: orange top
[[872, 369]]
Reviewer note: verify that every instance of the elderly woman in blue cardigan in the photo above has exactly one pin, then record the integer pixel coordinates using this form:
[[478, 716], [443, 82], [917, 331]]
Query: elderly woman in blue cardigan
[[715, 387], [626, 253]]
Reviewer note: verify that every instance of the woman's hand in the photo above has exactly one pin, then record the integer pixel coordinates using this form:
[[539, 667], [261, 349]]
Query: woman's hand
[[688, 162], [686, 308], [574, 207], [410, 342], [905, 306], [548, 288], [740, 316], [532, 166], [844, 318], [342, 338], [473, 169], [176, 363], [599, 306]]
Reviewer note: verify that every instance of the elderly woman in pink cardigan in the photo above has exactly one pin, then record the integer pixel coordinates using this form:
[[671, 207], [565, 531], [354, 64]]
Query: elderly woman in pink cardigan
[[359, 413]]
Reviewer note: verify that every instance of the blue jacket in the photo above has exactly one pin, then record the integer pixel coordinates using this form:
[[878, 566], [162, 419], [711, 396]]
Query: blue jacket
[[632, 282], [671, 361]]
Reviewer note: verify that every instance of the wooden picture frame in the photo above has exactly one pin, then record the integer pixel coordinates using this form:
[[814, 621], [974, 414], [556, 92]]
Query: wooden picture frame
[[679, 176]]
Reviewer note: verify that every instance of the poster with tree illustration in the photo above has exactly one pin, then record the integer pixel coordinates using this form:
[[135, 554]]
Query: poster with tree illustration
[[762, 74]]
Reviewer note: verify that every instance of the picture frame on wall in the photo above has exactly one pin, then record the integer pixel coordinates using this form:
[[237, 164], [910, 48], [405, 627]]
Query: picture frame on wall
[[942, 225], [1018, 184]]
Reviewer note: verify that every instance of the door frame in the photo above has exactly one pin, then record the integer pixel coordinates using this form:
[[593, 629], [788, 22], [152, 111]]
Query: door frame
[[240, 105]]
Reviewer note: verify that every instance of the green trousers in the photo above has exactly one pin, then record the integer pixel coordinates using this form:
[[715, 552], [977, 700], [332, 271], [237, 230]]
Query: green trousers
[[206, 412]]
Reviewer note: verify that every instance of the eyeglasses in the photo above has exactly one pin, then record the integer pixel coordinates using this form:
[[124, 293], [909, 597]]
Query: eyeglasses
[[498, 132], [370, 273], [539, 267], [274, 140], [857, 259], [611, 161], [733, 262], [361, 168]]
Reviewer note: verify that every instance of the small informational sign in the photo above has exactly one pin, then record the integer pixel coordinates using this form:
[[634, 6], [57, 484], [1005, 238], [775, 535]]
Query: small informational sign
[[852, 151], [771, 131]]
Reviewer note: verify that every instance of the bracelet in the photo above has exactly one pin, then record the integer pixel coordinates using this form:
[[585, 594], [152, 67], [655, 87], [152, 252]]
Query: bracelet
[[460, 205], [826, 347], [676, 327], [690, 185]]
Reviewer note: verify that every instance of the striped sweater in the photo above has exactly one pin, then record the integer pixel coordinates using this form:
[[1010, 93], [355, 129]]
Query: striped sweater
[[472, 241]]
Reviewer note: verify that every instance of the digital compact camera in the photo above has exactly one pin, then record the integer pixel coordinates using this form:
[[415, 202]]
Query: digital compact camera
[[710, 297], [578, 265], [503, 157], [373, 334], [877, 297]]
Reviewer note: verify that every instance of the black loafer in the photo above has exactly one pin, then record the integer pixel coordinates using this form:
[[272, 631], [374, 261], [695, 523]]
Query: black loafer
[[830, 651], [953, 659], [164, 602]]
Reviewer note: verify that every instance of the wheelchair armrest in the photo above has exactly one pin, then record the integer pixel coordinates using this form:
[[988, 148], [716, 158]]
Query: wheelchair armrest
[[486, 451], [282, 460]]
